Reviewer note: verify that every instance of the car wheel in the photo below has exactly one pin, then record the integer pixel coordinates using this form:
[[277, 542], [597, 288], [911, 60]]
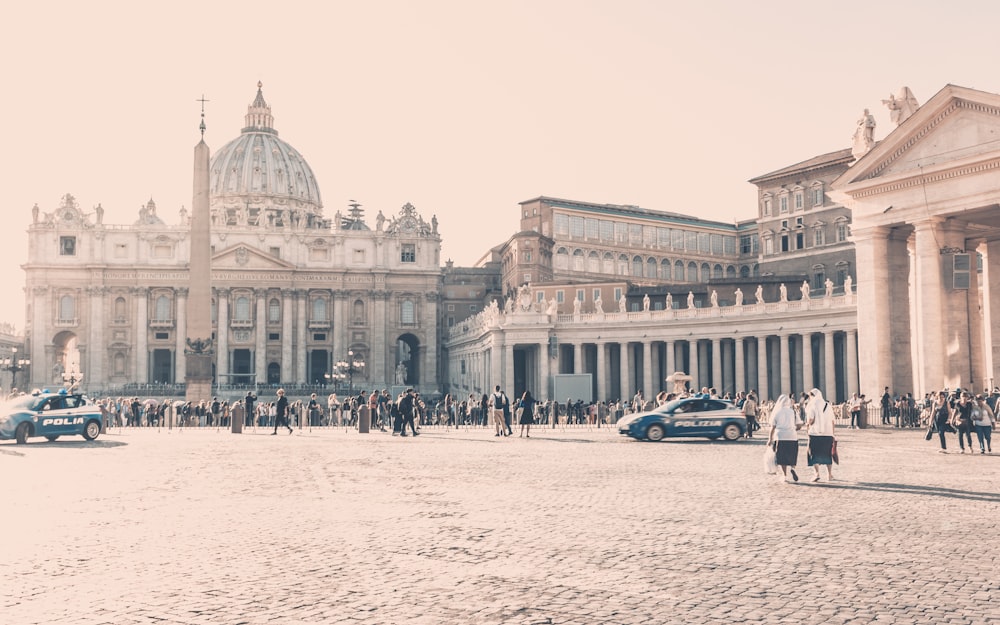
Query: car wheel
[[91, 430], [655, 432], [732, 432], [52, 437], [22, 433]]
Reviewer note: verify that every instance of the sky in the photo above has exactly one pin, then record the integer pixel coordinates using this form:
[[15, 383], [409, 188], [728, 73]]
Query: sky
[[462, 108]]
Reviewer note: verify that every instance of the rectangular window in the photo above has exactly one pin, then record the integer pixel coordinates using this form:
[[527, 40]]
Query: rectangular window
[[621, 232], [319, 253], [597, 294], [818, 196], [473, 308], [729, 245], [319, 336], [784, 243], [162, 336], [463, 367], [649, 235], [451, 308], [67, 246], [274, 336], [561, 225], [451, 321], [819, 238], [590, 225], [745, 244], [703, 243], [768, 246], [841, 233], [618, 294], [783, 204], [767, 207], [540, 296], [800, 241], [635, 234], [560, 297], [527, 277], [716, 240], [579, 295], [691, 241], [819, 278], [576, 227], [527, 257], [275, 251], [607, 230], [798, 201], [663, 237], [408, 253], [677, 239]]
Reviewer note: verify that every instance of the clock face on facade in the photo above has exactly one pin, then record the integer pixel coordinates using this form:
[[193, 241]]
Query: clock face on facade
[[408, 223], [68, 216]]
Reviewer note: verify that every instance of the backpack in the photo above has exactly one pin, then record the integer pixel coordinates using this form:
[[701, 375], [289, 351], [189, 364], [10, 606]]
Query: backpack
[[498, 400]]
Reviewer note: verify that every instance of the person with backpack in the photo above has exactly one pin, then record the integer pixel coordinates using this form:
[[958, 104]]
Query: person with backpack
[[497, 401], [750, 412]]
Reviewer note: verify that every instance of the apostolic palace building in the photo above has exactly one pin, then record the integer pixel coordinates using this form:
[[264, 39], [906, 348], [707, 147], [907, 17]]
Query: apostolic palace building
[[903, 233]]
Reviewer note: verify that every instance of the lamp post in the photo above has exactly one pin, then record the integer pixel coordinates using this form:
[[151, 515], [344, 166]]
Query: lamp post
[[73, 378], [347, 368], [14, 364]]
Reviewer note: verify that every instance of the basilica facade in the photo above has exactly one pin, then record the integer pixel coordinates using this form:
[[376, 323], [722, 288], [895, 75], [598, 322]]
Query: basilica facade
[[294, 290]]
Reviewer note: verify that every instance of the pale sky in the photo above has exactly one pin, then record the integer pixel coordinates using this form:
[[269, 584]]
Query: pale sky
[[462, 108]]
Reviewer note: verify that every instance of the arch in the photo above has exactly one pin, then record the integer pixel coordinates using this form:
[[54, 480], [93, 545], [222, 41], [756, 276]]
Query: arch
[[161, 309], [651, 266], [273, 373], [358, 312], [578, 260], [66, 356], [679, 271], [562, 259], [609, 263], [637, 266], [744, 271], [593, 263], [717, 272], [408, 354], [706, 272], [692, 272], [730, 271], [622, 265]]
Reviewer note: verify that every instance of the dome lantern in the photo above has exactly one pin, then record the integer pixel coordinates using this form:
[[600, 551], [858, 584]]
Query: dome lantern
[[258, 117]]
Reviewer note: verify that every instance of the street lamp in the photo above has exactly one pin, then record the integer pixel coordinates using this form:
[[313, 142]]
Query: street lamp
[[14, 364], [347, 368], [73, 377]]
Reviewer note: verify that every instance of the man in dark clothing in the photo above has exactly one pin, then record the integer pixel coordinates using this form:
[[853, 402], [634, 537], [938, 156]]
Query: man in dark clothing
[[886, 403], [249, 403], [281, 412], [406, 409]]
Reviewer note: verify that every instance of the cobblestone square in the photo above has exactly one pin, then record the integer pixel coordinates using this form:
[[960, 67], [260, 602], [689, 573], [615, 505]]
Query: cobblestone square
[[570, 527]]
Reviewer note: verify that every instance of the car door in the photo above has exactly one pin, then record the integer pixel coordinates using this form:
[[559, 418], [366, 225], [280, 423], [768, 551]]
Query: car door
[[55, 418], [710, 417], [684, 421]]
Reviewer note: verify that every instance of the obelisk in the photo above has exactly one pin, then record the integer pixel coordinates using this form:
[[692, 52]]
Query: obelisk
[[200, 346]]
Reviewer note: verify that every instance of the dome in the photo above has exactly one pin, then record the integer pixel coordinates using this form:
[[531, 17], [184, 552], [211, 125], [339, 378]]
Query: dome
[[257, 170]]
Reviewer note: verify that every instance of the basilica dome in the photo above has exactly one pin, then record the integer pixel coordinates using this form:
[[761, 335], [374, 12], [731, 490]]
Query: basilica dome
[[259, 173]]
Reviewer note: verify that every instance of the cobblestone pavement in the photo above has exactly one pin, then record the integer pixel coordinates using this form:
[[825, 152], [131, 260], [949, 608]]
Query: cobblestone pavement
[[569, 527]]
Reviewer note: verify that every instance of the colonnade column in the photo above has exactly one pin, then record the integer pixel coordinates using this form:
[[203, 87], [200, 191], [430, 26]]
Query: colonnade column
[[222, 336], [991, 314], [623, 372], [508, 369], [180, 344], [430, 375], [260, 340], [300, 342], [647, 370], [542, 392], [852, 362], [376, 365], [717, 364], [287, 313], [739, 381], [577, 358], [762, 382], [871, 248], [97, 353], [142, 335], [668, 361], [693, 365], [784, 365], [829, 368], [602, 372], [808, 381]]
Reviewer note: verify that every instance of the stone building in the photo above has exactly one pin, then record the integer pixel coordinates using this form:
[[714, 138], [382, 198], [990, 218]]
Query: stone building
[[293, 289]]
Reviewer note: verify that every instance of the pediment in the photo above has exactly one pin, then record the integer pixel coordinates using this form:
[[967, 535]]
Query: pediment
[[956, 125], [242, 256]]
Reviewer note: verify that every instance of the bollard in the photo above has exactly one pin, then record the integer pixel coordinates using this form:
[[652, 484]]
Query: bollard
[[364, 420]]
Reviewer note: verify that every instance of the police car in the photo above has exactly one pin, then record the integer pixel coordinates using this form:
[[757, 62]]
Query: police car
[[49, 414], [692, 417]]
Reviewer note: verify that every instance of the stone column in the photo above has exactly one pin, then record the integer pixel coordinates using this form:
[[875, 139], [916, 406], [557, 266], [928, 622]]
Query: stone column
[[287, 314], [98, 353], [762, 377], [829, 367], [647, 370], [808, 381], [626, 392], [717, 364], [380, 343], [602, 373], [991, 311], [222, 336], [260, 342], [693, 364], [578, 358], [300, 337], [508, 370], [430, 376], [668, 362], [739, 381], [544, 372], [959, 307], [784, 364], [875, 334], [41, 328], [852, 362], [142, 335], [180, 361]]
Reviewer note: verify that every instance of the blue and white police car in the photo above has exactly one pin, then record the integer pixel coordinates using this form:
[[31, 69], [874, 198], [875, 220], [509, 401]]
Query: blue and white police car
[[691, 417], [49, 414]]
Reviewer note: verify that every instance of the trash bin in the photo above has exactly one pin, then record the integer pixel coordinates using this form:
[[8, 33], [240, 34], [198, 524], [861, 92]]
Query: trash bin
[[364, 420]]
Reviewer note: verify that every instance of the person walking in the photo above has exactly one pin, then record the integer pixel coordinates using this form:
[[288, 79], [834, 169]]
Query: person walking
[[961, 420], [750, 412], [248, 403], [819, 418], [407, 407], [526, 412], [982, 420], [855, 406], [784, 438], [496, 402], [281, 412]]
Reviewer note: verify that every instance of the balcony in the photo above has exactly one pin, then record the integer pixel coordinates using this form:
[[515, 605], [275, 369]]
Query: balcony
[[160, 324], [319, 324], [67, 323], [241, 323]]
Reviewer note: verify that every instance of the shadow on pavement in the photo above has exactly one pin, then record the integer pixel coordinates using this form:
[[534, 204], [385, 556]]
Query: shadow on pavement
[[912, 489], [67, 444]]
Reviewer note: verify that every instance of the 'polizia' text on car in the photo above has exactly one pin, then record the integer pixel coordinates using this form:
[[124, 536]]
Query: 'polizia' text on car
[[691, 417]]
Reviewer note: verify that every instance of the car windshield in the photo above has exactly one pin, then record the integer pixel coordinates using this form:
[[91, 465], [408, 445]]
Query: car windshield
[[23, 402], [671, 406]]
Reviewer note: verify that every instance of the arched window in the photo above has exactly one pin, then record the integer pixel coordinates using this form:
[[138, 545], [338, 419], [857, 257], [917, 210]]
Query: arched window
[[562, 259], [744, 272], [651, 268], [358, 314], [717, 272], [119, 364], [637, 266], [622, 265], [161, 311], [679, 271], [706, 272], [666, 269], [593, 263], [67, 308], [241, 309], [609, 263], [274, 310], [120, 309], [319, 309], [577, 260], [692, 272], [407, 312], [730, 271]]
